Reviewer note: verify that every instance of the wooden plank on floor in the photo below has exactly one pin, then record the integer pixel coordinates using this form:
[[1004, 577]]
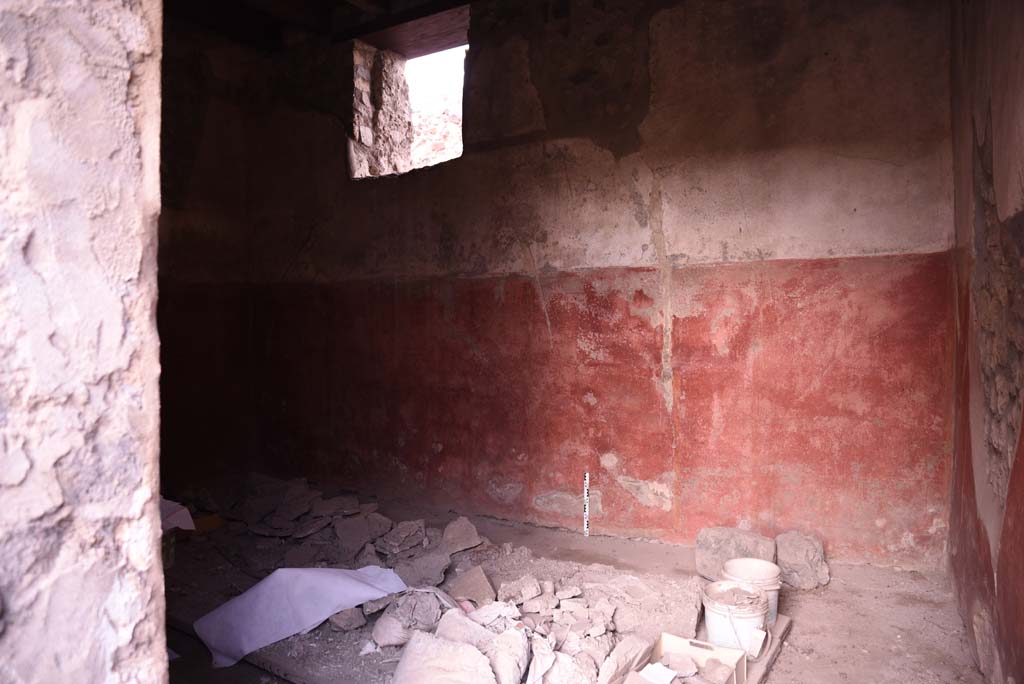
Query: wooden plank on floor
[[757, 670]]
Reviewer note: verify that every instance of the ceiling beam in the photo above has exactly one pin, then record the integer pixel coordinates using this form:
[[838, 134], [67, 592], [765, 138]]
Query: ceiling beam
[[374, 7], [417, 10]]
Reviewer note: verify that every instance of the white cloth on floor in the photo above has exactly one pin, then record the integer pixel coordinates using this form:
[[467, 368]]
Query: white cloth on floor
[[286, 602]]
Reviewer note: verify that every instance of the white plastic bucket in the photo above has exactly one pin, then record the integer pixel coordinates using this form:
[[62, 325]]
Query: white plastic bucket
[[735, 615], [760, 573]]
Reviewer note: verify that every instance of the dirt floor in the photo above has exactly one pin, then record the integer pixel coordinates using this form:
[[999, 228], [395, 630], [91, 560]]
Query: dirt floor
[[870, 624]]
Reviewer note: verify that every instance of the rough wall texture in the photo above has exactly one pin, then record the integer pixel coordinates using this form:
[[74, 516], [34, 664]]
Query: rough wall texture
[[696, 249], [987, 516], [380, 142], [81, 586], [998, 300]]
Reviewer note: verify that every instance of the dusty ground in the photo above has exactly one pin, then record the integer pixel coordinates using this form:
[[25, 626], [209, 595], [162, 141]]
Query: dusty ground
[[879, 625]]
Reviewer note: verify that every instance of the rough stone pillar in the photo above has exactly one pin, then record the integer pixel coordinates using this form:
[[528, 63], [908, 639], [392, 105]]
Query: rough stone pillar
[[81, 586], [380, 142]]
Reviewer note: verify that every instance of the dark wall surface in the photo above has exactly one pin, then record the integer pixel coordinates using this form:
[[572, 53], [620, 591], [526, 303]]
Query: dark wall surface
[[698, 250]]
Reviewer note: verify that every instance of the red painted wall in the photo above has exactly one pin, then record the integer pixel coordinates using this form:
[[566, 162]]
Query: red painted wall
[[804, 394]]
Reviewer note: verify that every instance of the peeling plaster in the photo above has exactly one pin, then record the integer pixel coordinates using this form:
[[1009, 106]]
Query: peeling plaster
[[79, 195]]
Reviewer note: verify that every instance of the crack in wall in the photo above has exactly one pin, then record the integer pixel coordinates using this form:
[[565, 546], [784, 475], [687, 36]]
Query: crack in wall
[[655, 214]]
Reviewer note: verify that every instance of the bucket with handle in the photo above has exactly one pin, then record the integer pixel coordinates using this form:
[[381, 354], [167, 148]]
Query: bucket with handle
[[762, 574], [735, 614]]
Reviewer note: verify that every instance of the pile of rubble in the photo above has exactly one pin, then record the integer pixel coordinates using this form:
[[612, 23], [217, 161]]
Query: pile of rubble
[[452, 625], [547, 631]]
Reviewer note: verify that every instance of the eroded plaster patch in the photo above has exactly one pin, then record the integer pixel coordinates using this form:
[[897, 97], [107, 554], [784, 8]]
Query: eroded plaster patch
[[569, 505], [649, 493]]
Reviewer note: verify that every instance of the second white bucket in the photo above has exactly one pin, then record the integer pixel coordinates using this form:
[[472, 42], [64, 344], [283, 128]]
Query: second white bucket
[[760, 573], [735, 614]]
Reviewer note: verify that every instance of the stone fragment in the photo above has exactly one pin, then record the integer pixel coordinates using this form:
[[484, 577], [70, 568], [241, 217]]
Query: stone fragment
[[460, 534], [347, 620], [472, 585], [801, 558], [603, 608], [542, 604], [416, 609], [292, 508], [687, 596], [389, 631], [630, 654], [580, 626], [426, 569], [626, 618], [402, 536], [568, 592], [542, 651], [310, 527], [563, 617], [497, 616], [265, 530], [260, 558], [301, 556], [520, 590], [429, 658], [715, 545], [377, 605], [406, 613], [255, 508], [338, 505], [280, 522], [547, 587], [368, 556], [575, 606], [586, 664], [572, 643], [379, 524], [456, 626], [298, 488], [716, 672], [567, 670], [598, 647], [509, 655], [681, 663], [353, 534], [368, 508]]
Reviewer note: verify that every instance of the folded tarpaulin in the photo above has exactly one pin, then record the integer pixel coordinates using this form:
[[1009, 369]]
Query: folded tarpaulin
[[286, 602]]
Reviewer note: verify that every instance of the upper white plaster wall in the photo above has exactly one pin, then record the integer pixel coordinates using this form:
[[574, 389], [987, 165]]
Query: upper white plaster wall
[[801, 130], [81, 586], [736, 131]]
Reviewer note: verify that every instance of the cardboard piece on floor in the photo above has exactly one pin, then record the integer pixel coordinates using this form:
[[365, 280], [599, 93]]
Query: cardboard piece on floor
[[288, 601], [701, 652]]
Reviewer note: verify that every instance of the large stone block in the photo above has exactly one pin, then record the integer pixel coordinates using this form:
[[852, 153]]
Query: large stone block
[[715, 545], [802, 560]]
